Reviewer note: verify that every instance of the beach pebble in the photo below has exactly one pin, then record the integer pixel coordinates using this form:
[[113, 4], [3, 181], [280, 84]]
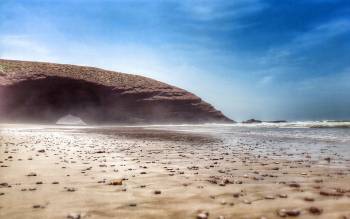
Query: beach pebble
[[315, 210], [4, 185], [309, 199], [246, 201], [38, 206], [294, 185], [283, 195], [236, 194], [116, 182], [203, 215], [330, 192], [70, 189], [74, 216], [292, 213]]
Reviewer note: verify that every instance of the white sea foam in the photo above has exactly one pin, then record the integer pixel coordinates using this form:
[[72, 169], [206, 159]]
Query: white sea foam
[[300, 124]]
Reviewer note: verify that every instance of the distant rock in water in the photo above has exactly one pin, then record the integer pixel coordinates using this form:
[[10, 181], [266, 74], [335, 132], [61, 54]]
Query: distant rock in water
[[45, 92], [250, 121], [70, 120], [277, 121]]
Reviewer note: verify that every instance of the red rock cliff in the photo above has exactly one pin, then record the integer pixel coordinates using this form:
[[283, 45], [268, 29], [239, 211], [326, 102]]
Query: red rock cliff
[[44, 92]]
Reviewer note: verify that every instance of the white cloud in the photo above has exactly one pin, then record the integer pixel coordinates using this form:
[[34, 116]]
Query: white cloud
[[266, 80], [323, 32], [316, 36], [335, 83], [22, 47], [212, 10]]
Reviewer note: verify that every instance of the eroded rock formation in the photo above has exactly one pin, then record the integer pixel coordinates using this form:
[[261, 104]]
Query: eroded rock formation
[[44, 92]]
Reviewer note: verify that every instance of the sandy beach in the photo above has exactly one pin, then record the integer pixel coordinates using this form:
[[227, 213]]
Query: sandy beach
[[155, 172]]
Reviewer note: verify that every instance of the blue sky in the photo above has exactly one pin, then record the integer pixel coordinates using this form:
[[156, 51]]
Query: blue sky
[[265, 59]]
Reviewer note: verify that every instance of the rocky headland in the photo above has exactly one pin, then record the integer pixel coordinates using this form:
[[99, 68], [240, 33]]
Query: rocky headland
[[45, 92]]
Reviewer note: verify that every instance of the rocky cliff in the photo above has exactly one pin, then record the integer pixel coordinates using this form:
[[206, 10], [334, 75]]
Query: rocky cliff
[[45, 92]]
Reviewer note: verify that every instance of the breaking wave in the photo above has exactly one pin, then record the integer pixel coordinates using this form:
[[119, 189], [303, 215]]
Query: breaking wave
[[300, 124]]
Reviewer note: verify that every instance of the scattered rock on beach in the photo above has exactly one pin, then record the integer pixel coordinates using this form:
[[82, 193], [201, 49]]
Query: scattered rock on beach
[[284, 212], [202, 215], [283, 195], [330, 192], [315, 210], [38, 206], [31, 174], [116, 182], [70, 189], [74, 216], [157, 192]]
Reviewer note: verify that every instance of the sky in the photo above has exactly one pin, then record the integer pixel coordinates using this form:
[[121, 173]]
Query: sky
[[263, 59]]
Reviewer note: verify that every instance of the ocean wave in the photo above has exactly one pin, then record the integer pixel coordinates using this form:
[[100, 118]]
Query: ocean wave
[[300, 124]]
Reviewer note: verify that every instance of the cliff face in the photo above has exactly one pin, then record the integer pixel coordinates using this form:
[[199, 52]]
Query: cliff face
[[45, 92]]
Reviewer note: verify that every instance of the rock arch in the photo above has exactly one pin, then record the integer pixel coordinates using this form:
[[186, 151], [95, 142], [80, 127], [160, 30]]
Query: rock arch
[[45, 92]]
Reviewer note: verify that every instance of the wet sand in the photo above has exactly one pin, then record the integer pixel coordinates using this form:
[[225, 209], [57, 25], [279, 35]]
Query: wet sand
[[62, 172]]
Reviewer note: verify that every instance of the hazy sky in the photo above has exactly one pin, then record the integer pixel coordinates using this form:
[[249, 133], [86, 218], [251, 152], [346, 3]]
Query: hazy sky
[[267, 59]]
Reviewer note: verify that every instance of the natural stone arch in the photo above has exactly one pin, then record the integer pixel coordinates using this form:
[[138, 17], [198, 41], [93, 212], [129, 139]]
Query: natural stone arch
[[45, 92]]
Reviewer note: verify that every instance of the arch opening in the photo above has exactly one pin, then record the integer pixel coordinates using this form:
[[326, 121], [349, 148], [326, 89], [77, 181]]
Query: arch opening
[[70, 120], [54, 99]]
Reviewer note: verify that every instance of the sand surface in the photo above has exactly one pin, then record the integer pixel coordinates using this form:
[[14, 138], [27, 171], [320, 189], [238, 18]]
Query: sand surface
[[125, 172]]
